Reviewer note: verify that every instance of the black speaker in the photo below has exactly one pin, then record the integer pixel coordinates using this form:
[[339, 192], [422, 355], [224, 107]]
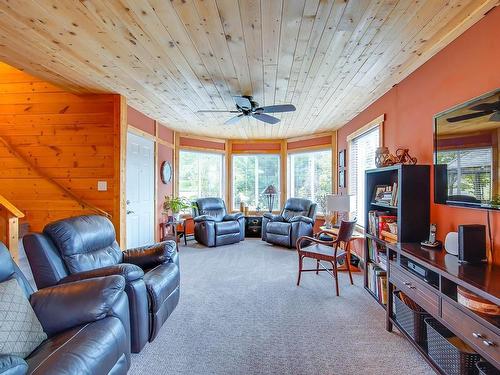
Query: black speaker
[[471, 243]]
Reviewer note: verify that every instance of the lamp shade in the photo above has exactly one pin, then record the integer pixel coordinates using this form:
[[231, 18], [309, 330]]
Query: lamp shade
[[270, 190], [338, 203]]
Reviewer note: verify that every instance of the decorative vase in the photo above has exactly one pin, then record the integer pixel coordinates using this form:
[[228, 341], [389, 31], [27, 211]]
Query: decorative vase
[[381, 156]]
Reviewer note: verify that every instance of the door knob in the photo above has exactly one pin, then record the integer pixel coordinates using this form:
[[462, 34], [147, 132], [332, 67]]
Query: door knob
[[129, 212], [128, 201]]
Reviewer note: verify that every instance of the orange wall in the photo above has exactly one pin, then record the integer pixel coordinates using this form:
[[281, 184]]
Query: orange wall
[[201, 143], [466, 68], [73, 139]]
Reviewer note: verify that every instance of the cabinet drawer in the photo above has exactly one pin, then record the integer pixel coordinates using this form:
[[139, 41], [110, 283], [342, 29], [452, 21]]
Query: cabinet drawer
[[484, 340], [415, 289], [254, 221]]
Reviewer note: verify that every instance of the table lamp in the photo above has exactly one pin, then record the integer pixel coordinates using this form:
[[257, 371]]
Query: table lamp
[[340, 205], [270, 193]]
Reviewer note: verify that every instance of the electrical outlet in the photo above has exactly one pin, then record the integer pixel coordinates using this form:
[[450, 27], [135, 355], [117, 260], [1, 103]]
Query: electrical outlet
[[102, 186]]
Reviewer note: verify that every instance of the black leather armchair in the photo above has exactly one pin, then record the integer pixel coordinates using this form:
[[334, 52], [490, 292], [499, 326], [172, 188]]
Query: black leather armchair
[[213, 226], [84, 247], [295, 220], [87, 324]]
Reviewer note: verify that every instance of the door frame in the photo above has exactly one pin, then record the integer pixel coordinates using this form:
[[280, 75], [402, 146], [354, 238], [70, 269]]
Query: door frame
[[156, 141], [141, 134]]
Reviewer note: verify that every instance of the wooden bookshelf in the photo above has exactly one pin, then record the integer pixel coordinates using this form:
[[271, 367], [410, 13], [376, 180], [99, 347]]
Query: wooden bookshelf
[[412, 211]]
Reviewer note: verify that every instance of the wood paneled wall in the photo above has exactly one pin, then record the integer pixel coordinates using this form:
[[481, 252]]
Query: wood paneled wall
[[73, 139]]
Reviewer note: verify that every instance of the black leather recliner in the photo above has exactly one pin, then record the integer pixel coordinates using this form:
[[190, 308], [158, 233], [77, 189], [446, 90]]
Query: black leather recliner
[[83, 247], [214, 226], [295, 220], [87, 324]]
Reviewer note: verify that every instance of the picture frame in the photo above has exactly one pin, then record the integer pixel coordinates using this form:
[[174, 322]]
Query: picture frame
[[342, 183], [342, 158], [379, 191]]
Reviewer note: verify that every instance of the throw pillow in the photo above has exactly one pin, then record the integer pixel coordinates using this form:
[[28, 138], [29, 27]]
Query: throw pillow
[[20, 329]]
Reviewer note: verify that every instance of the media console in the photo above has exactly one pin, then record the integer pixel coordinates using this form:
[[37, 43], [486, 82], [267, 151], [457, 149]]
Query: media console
[[430, 277]]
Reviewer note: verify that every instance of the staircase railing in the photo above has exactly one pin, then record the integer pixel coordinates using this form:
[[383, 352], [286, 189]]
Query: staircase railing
[[48, 178], [11, 216]]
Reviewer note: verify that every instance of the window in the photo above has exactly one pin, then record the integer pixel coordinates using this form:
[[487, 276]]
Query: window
[[469, 173], [200, 174], [310, 174], [251, 175], [361, 157]]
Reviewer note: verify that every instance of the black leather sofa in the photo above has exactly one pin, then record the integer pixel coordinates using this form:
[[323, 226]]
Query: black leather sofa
[[213, 226], [295, 220], [87, 324], [84, 247]]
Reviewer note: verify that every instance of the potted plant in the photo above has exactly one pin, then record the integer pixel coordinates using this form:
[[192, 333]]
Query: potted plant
[[175, 205]]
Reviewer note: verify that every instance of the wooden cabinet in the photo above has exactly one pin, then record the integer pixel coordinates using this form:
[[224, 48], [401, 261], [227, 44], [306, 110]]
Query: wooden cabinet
[[435, 290]]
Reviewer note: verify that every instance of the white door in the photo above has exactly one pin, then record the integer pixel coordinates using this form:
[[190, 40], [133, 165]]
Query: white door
[[140, 191]]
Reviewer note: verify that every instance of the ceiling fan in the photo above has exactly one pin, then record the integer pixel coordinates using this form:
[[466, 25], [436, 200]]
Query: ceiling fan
[[246, 106], [482, 109]]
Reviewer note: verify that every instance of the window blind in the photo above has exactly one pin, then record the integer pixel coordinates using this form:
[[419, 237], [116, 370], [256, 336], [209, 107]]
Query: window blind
[[361, 157]]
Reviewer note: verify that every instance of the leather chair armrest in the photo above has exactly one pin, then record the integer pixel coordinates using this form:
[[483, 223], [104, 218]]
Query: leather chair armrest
[[199, 219], [65, 306], [148, 257], [232, 217], [273, 217], [304, 219], [12, 365], [130, 272]]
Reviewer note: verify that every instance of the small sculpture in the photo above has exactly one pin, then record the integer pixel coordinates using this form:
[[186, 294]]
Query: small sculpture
[[403, 157], [383, 158]]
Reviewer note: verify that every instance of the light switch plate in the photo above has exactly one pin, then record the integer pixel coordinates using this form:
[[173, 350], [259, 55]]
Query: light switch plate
[[102, 186]]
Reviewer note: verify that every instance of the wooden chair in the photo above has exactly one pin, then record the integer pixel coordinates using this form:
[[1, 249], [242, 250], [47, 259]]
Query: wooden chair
[[327, 251]]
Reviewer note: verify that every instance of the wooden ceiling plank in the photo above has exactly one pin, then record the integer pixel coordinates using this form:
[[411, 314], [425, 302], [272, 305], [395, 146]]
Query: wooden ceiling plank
[[418, 21], [189, 16], [290, 26], [355, 55]]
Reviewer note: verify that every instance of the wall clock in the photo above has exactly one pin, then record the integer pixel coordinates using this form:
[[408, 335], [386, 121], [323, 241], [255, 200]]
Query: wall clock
[[166, 172]]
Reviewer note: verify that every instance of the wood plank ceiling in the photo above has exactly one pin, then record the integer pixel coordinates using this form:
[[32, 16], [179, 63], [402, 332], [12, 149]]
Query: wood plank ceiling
[[330, 58]]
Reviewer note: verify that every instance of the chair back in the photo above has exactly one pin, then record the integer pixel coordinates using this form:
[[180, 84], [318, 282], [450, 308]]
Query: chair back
[[85, 242], [346, 230], [210, 206], [298, 207]]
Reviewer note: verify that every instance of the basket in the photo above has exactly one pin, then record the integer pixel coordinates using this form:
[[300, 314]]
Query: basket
[[411, 320], [486, 368], [447, 356]]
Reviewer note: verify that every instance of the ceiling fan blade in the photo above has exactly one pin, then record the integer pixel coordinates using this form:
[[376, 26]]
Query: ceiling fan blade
[[277, 108], [242, 102], [215, 110], [468, 116], [265, 118], [486, 106], [495, 116], [234, 120]]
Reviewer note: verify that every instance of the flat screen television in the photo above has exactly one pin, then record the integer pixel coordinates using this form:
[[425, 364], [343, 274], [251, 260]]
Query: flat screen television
[[466, 154]]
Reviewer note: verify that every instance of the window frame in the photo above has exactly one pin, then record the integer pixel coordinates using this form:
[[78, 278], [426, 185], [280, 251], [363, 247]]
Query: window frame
[[203, 151], [231, 177], [306, 151], [375, 123]]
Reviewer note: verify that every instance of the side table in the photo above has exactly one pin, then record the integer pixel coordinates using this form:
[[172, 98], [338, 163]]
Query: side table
[[253, 226]]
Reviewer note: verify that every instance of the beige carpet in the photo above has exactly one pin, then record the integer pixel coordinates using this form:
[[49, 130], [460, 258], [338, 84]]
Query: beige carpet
[[241, 313]]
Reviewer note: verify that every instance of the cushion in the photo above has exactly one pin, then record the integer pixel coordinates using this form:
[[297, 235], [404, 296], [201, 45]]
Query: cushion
[[20, 329], [277, 227], [227, 227]]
